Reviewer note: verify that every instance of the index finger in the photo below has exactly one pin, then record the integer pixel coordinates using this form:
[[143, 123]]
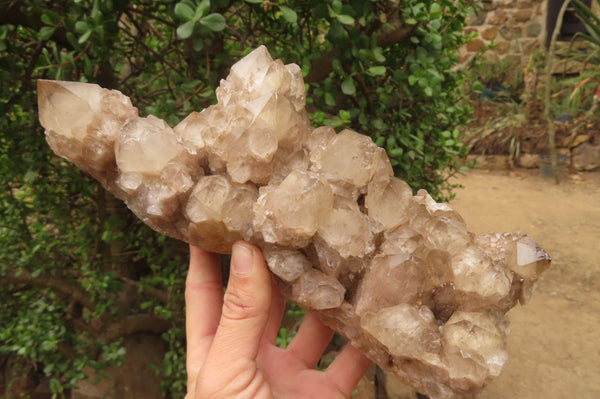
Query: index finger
[[203, 304], [348, 368]]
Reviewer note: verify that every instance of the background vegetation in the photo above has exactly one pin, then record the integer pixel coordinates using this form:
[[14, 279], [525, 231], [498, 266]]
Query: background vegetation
[[77, 271]]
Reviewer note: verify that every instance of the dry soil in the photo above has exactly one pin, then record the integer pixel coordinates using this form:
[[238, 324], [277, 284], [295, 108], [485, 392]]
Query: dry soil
[[554, 347]]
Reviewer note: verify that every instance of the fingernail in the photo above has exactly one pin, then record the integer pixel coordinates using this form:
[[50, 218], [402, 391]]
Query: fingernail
[[242, 260]]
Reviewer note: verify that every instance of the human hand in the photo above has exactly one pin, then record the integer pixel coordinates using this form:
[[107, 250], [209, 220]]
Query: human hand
[[231, 351]]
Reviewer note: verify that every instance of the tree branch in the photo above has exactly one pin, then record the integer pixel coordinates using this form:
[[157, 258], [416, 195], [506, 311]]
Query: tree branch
[[14, 16], [133, 324], [322, 67], [400, 33], [110, 331], [61, 286], [155, 293]]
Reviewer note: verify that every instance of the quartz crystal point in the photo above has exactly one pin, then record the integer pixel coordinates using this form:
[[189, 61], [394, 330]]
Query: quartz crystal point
[[398, 274]]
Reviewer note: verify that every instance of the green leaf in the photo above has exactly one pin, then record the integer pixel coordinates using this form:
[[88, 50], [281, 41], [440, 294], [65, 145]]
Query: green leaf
[[412, 79], [96, 13], [396, 152], [411, 21], [336, 6], [428, 91], [288, 14], [329, 99], [214, 22], [331, 13], [198, 44], [449, 142], [348, 87], [376, 70], [72, 39], [46, 33], [379, 57], [344, 115], [345, 19], [50, 17], [30, 176], [81, 27], [46, 19], [202, 9], [84, 37], [190, 85], [184, 11], [336, 32], [254, 1], [184, 31], [435, 11]]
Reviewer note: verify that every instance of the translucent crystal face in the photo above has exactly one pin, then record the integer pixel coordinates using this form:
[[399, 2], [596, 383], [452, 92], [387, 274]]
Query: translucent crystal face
[[146, 146], [349, 156], [346, 230], [317, 290], [531, 259], [405, 330], [387, 201], [398, 274], [291, 213], [287, 264], [217, 211], [407, 283], [82, 101], [473, 344], [475, 275]]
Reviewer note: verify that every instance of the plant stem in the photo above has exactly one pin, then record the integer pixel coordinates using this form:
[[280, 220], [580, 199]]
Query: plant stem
[[549, 57]]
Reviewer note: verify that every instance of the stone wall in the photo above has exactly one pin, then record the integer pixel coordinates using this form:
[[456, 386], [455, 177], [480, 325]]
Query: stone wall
[[512, 28]]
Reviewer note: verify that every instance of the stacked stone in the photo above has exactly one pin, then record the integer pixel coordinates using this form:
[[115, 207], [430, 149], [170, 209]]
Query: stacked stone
[[515, 27], [398, 274]]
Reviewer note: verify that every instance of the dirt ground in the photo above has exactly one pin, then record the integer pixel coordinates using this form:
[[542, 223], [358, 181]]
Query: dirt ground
[[554, 347]]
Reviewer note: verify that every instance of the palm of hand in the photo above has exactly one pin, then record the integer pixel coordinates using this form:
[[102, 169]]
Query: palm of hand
[[231, 338]]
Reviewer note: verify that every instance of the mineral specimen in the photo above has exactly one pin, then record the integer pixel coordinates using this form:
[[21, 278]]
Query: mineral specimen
[[398, 274]]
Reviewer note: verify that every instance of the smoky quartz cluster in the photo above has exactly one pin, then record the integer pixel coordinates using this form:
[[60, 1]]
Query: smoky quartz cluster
[[397, 274]]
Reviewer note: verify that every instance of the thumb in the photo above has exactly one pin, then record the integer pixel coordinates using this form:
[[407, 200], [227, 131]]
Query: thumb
[[245, 307]]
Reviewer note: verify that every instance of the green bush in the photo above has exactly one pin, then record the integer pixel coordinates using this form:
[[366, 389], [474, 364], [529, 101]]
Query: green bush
[[75, 266]]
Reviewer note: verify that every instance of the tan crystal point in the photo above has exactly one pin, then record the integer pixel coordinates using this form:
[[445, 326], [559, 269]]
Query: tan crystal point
[[398, 274]]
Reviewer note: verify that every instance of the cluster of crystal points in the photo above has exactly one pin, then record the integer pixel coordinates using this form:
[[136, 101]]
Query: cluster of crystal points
[[397, 274]]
